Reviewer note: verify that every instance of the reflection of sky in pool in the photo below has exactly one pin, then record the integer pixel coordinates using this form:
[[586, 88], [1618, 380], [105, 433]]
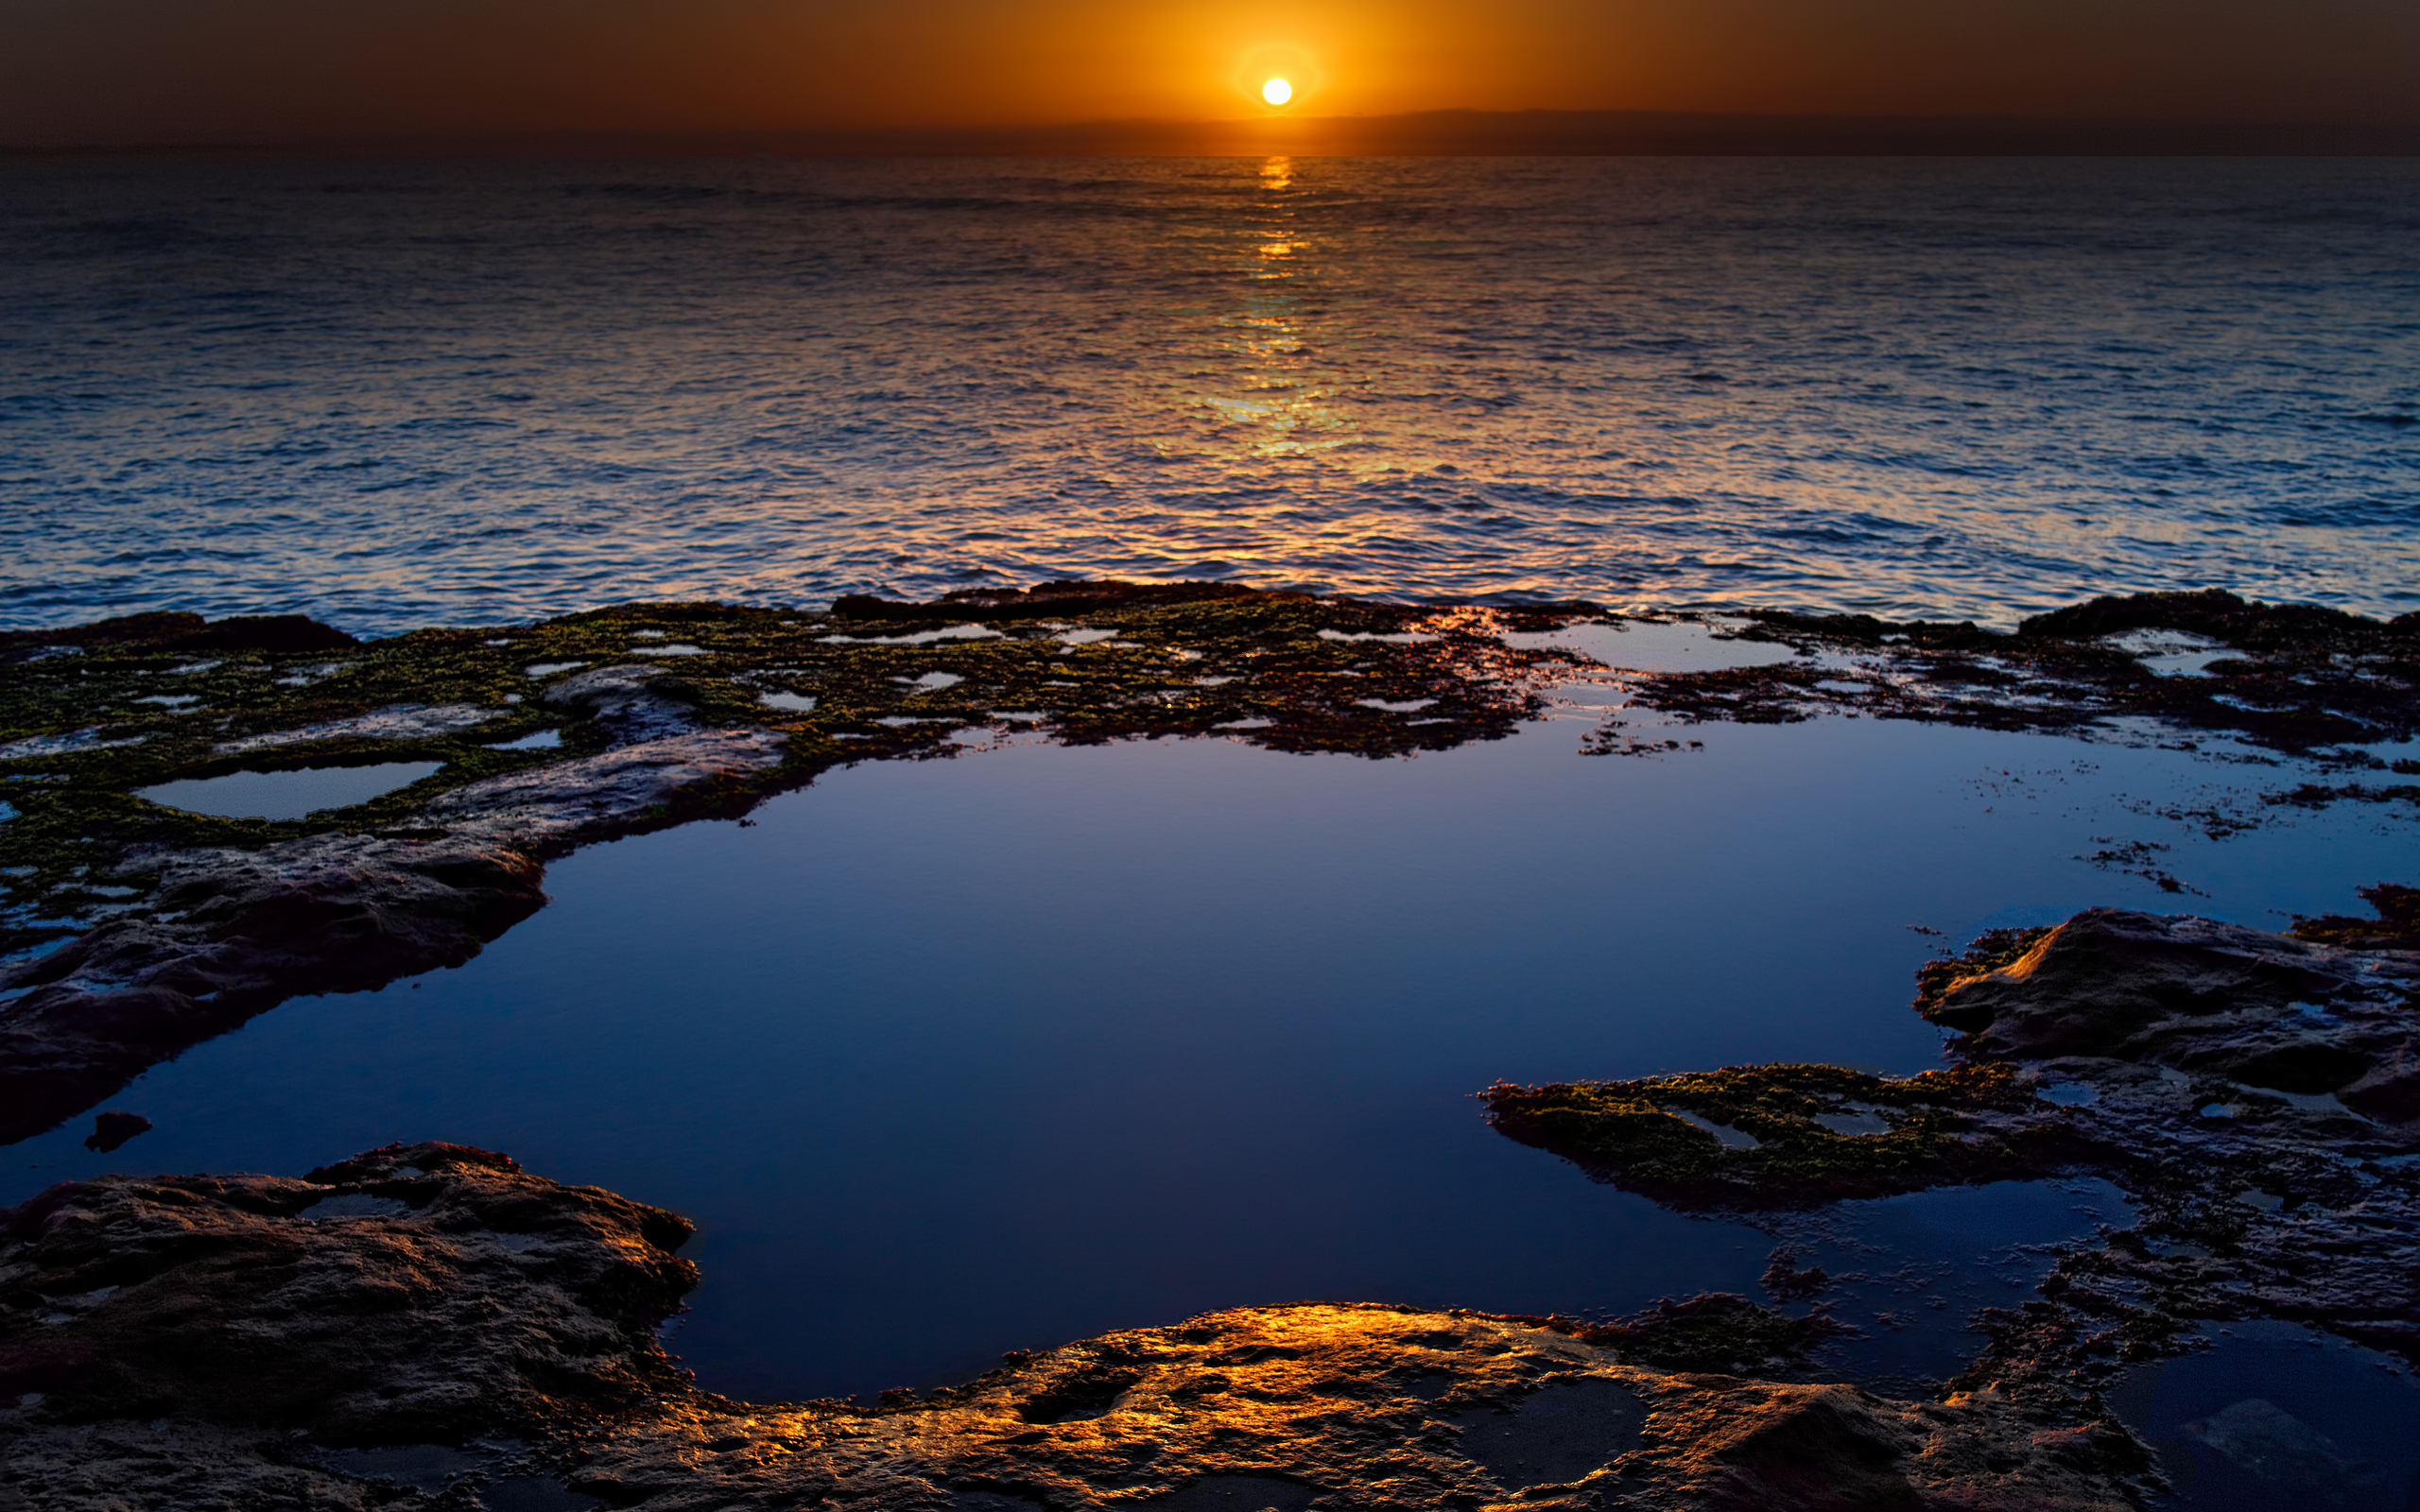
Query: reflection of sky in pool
[[288, 795], [2273, 1416], [949, 1058]]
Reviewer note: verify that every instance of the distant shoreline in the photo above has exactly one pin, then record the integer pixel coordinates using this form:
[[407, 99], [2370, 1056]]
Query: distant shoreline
[[1424, 133]]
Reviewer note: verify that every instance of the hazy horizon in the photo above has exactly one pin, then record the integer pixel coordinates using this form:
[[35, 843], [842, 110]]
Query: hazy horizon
[[1419, 133], [197, 72]]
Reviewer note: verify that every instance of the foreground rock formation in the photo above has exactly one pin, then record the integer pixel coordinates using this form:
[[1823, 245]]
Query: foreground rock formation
[[429, 1326], [2256, 1094]]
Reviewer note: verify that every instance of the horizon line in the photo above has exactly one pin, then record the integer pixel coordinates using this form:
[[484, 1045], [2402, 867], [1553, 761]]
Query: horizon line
[[1447, 131]]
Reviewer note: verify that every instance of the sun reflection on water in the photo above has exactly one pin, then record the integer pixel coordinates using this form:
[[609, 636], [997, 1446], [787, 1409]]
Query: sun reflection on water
[[1863, 387], [1281, 405]]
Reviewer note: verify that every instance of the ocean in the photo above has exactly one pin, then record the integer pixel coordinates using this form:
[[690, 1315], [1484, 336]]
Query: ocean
[[950, 1058], [397, 393]]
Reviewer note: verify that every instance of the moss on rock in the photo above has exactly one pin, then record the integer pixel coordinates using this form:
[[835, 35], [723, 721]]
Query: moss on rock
[[1782, 1153], [2254, 1094], [130, 930]]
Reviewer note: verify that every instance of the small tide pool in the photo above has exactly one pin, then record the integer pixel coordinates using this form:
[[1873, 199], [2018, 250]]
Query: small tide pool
[[293, 794]]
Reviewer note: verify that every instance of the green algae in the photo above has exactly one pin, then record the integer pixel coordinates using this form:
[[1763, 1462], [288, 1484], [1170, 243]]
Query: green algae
[[1712, 1333], [2304, 678], [2397, 926], [89, 717], [1632, 1134]]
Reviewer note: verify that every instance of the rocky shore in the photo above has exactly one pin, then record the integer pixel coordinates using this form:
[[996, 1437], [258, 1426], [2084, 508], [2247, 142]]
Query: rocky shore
[[2256, 1094], [132, 930], [139, 930], [429, 1326]]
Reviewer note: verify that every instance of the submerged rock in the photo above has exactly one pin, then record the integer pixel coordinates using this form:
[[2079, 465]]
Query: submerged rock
[[113, 1129], [427, 1324]]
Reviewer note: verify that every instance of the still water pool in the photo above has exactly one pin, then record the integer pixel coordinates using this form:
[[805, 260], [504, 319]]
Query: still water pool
[[949, 1058]]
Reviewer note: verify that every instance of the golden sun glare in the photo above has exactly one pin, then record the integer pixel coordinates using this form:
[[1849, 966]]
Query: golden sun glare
[[1277, 91]]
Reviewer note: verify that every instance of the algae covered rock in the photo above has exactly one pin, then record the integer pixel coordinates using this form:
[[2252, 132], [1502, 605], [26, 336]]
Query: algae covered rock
[[164, 927], [1788, 1135], [2256, 1095]]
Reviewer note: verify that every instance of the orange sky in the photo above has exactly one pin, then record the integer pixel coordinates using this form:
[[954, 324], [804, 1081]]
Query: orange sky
[[157, 70]]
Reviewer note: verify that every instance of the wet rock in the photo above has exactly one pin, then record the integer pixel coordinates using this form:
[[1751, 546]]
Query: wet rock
[[2212, 612], [546, 806], [635, 702], [265, 632], [2256, 1095], [180, 631], [2259, 1008], [113, 1129], [403, 721], [225, 1348], [221, 1303], [243, 931], [2290, 678], [234, 914]]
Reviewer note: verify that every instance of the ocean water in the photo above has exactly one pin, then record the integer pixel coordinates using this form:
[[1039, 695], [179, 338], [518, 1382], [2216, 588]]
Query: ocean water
[[947, 1057], [391, 394]]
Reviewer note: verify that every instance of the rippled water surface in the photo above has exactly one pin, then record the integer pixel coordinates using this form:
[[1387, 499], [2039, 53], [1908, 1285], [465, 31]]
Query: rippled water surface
[[391, 394]]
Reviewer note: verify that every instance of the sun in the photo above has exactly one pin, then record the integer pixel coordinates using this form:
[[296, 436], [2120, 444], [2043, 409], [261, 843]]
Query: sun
[[1277, 91]]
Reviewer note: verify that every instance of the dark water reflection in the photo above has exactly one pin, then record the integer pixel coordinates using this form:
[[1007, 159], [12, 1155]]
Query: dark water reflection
[[952, 1057], [2275, 1415]]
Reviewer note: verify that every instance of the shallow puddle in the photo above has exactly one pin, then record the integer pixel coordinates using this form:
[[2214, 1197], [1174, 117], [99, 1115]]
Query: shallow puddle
[[2274, 1416], [952, 1057], [1645, 646], [1908, 1272], [288, 795]]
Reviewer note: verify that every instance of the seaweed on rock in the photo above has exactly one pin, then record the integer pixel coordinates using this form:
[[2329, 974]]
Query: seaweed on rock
[[2256, 1094], [2286, 677], [1632, 1134], [135, 930]]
